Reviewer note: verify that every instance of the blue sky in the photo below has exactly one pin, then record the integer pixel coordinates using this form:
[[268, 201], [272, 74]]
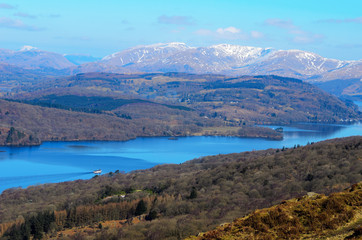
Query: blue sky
[[332, 29]]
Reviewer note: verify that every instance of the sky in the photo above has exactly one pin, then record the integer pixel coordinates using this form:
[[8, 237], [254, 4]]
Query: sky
[[332, 29]]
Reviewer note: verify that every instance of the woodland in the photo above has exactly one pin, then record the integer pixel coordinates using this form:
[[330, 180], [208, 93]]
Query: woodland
[[100, 106]]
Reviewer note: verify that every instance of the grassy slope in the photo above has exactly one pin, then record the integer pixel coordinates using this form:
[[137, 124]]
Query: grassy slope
[[338, 216]]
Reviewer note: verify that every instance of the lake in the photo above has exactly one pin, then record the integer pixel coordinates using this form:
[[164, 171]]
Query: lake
[[359, 104], [63, 161]]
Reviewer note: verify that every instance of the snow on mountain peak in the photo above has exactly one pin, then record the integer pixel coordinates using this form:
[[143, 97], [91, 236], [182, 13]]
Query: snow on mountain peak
[[223, 58], [242, 54], [174, 46], [236, 50], [28, 48], [177, 45]]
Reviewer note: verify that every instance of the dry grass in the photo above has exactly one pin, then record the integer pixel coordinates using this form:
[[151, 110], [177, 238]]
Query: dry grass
[[319, 217]]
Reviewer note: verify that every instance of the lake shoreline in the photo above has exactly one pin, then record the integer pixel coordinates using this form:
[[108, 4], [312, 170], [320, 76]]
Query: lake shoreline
[[70, 160], [249, 132], [256, 131]]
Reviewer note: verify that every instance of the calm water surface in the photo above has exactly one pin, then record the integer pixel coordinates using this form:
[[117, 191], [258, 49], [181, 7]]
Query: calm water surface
[[359, 104], [63, 161]]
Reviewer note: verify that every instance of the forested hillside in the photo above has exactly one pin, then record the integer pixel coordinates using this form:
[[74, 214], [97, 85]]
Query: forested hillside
[[176, 201], [245, 99], [69, 123]]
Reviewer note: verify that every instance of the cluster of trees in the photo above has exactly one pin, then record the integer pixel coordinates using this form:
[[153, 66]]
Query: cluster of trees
[[16, 137], [34, 226], [89, 104], [115, 210], [49, 222]]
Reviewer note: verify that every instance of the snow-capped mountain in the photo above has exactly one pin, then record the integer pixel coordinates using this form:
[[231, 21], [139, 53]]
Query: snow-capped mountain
[[295, 63], [226, 59], [145, 54], [178, 57], [29, 57]]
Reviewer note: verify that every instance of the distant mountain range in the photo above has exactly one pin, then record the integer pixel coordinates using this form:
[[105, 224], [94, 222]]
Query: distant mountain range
[[178, 57], [226, 59]]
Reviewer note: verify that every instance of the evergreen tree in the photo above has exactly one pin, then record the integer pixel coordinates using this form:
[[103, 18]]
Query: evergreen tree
[[193, 193], [141, 208], [151, 216], [25, 230], [36, 228]]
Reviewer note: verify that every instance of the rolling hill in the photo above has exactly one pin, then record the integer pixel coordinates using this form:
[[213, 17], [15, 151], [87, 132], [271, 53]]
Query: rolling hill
[[235, 100]]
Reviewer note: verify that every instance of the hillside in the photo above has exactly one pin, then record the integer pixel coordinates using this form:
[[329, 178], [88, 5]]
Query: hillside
[[103, 106], [145, 118], [50, 124], [237, 101], [350, 89], [185, 199], [338, 216]]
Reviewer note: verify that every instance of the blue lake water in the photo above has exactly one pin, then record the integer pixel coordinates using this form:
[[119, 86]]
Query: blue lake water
[[359, 104], [63, 161]]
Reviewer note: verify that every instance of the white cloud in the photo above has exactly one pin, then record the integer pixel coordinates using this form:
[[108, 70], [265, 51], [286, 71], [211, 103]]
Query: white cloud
[[256, 34], [228, 30], [230, 33]]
